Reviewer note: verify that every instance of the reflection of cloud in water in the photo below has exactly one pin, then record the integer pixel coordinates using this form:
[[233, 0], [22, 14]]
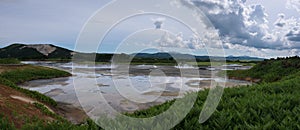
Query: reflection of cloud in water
[[169, 87], [201, 83], [41, 83], [55, 92]]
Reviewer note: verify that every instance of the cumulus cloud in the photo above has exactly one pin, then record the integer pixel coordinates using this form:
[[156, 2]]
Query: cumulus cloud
[[294, 52], [280, 22], [240, 24], [246, 50], [293, 4], [237, 22], [288, 29], [178, 41]]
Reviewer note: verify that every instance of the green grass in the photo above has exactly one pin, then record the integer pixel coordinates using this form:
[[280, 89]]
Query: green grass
[[270, 70], [27, 73], [46, 111], [43, 108], [57, 125], [32, 94], [9, 61], [5, 124]]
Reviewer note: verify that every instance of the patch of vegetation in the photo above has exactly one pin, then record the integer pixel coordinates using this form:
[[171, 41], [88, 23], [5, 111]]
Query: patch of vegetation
[[29, 72], [270, 70], [58, 125], [46, 111], [208, 63], [43, 108], [5, 124], [32, 94], [273, 104], [20, 75], [55, 125], [9, 61]]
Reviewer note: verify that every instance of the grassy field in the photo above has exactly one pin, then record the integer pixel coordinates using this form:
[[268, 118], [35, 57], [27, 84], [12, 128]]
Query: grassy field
[[9, 61], [29, 72]]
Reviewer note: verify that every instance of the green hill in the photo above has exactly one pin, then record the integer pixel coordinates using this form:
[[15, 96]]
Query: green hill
[[270, 70], [35, 52]]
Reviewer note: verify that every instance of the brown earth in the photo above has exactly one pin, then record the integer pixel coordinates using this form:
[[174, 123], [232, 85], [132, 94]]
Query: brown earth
[[18, 108]]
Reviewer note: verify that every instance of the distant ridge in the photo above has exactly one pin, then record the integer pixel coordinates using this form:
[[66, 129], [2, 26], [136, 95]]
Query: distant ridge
[[161, 55], [52, 52]]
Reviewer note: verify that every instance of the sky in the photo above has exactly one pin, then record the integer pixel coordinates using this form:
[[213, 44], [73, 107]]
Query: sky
[[260, 28]]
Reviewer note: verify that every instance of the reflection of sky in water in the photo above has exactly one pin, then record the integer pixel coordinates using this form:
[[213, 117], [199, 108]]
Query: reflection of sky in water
[[105, 85]]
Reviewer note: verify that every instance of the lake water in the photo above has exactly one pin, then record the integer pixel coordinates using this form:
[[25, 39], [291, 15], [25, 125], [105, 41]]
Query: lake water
[[142, 91]]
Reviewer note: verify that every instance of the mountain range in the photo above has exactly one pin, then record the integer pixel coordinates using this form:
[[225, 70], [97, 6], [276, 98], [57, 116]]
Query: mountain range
[[52, 52]]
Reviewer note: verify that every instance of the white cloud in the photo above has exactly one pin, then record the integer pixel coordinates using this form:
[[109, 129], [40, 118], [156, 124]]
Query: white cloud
[[179, 41], [294, 52], [237, 22], [247, 25], [293, 4], [289, 31], [280, 22], [246, 49]]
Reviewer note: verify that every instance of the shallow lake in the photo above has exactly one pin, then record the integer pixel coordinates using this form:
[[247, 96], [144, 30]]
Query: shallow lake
[[142, 87]]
